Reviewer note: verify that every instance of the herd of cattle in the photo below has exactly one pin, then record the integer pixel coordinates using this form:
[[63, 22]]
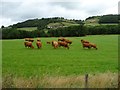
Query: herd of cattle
[[61, 42]]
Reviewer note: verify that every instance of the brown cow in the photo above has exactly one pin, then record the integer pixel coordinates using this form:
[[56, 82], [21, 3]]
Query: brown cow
[[38, 39], [61, 39], [39, 44], [55, 44], [93, 45], [86, 45], [29, 39], [25, 43], [68, 41], [63, 43], [48, 42], [84, 41], [26, 39], [89, 45], [28, 44]]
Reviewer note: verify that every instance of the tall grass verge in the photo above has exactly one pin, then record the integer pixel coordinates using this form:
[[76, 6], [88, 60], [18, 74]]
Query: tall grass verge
[[101, 80]]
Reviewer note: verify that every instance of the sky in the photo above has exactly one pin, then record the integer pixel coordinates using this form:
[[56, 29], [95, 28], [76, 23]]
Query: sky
[[14, 11]]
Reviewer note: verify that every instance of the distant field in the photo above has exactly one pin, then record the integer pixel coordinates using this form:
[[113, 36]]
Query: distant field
[[28, 28], [62, 24], [97, 24], [94, 22], [58, 24], [69, 24]]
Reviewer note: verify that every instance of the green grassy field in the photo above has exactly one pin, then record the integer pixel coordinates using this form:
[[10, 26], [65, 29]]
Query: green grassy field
[[21, 61], [28, 28], [61, 68]]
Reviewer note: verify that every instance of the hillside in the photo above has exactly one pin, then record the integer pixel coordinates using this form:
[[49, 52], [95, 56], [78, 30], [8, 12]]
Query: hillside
[[60, 27], [92, 21], [60, 22], [104, 20], [46, 23]]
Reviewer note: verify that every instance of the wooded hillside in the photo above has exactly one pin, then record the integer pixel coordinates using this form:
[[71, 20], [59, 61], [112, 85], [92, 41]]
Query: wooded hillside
[[60, 27]]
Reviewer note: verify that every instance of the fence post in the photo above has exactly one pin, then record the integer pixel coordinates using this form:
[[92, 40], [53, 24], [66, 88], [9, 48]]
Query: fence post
[[86, 81]]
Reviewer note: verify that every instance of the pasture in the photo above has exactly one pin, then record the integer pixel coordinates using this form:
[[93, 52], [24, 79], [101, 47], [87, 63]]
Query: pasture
[[47, 61], [28, 28]]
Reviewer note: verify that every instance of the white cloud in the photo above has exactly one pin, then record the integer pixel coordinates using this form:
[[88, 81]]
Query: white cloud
[[6, 21], [14, 11]]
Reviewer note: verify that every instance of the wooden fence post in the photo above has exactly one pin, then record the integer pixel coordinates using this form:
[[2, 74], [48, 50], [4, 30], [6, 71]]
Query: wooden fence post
[[86, 81]]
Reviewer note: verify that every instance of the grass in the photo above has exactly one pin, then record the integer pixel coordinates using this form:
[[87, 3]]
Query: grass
[[28, 28], [106, 80], [64, 24], [69, 24], [48, 62], [94, 22]]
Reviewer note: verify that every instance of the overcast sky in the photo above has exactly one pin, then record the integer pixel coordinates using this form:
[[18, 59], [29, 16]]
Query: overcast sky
[[14, 11]]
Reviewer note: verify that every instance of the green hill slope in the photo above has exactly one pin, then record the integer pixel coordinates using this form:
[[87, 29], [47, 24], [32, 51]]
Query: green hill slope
[[45, 23], [59, 22]]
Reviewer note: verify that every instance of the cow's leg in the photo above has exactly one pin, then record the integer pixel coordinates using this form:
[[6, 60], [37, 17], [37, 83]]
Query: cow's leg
[[68, 47], [89, 47]]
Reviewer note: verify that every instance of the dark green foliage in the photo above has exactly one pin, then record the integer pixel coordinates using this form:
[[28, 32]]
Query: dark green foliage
[[103, 29], [13, 33], [80, 30], [2, 26], [43, 22], [0, 34], [92, 17], [28, 23], [68, 31], [109, 19], [40, 23], [10, 33], [79, 21]]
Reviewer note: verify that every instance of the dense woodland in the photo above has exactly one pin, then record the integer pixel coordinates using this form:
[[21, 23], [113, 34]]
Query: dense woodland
[[112, 27]]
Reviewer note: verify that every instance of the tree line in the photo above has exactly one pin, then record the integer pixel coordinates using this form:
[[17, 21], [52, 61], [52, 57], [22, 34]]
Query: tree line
[[41, 23], [71, 31], [109, 19]]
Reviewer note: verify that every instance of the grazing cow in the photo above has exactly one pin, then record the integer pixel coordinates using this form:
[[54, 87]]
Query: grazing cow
[[61, 39], [26, 39], [84, 41], [55, 44], [25, 43], [89, 45], [28, 44], [68, 41], [93, 45], [63, 43], [29, 39], [86, 45], [38, 39], [48, 42], [39, 44]]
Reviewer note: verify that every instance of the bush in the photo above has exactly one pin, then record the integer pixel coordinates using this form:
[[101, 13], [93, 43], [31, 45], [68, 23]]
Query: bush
[[80, 30]]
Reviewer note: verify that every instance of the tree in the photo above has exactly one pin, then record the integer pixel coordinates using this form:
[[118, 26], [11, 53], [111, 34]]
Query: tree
[[109, 19], [2, 27]]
